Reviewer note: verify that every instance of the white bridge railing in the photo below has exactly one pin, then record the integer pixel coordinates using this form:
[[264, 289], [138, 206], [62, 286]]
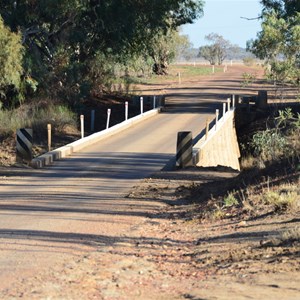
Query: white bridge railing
[[219, 146]]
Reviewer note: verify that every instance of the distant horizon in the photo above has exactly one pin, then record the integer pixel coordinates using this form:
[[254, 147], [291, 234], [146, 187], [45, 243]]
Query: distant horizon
[[226, 17]]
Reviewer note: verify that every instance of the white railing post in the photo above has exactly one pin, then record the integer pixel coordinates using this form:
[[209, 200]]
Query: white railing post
[[228, 104], [142, 105], [154, 102], [49, 136], [224, 110], [108, 117], [206, 129], [217, 118], [126, 110], [82, 125]]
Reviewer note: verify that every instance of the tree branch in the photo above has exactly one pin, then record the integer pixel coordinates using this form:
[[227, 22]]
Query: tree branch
[[251, 19]]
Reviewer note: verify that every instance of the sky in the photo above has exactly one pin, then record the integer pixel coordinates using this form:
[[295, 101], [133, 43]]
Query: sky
[[224, 18]]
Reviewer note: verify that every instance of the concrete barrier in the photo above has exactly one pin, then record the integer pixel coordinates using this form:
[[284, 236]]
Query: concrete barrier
[[24, 145], [220, 146], [62, 152], [184, 156]]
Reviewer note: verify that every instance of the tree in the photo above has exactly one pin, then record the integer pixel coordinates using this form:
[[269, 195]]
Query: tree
[[164, 48], [217, 51], [183, 46], [283, 8], [61, 36], [279, 42], [11, 52], [189, 54], [209, 53]]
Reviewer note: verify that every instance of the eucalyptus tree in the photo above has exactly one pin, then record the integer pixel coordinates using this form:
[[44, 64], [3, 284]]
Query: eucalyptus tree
[[11, 52], [63, 38], [164, 48], [278, 43], [209, 53], [218, 49], [283, 8]]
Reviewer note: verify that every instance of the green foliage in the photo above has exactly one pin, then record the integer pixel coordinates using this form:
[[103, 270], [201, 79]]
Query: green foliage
[[101, 72], [278, 44], [11, 52], [284, 8], [280, 141], [284, 116], [217, 51], [268, 144], [164, 48], [64, 38], [230, 200], [218, 213], [296, 121], [208, 52]]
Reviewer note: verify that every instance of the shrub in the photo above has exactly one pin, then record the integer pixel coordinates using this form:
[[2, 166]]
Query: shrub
[[268, 144], [11, 54], [230, 200]]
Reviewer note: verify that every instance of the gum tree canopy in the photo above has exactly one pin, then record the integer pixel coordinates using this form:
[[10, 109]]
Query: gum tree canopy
[[10, 60], [284, 8], [84, 27], [278, 43]]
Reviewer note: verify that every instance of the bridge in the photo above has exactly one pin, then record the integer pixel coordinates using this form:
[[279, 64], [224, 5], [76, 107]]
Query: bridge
[[77, 204]]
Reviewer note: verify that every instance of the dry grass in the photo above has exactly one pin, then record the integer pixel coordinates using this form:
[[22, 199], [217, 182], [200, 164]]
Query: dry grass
[[283, 197], [37, 116]]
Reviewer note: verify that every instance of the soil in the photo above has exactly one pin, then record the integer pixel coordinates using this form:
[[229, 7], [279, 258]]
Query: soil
[[177, 254], [179, 251]]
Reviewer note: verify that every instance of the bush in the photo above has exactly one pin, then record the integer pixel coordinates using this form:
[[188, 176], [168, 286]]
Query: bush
[[268, 144], [11, 54], [230, 200]]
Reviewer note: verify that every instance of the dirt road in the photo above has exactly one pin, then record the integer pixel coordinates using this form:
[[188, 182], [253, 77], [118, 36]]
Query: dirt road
[[72, 232]]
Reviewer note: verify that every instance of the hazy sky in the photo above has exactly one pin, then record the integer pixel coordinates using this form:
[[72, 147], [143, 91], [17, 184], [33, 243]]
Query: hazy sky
[[224, 17]]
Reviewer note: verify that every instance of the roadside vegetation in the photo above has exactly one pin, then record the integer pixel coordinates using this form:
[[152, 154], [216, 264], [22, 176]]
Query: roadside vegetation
[[269, 181]]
